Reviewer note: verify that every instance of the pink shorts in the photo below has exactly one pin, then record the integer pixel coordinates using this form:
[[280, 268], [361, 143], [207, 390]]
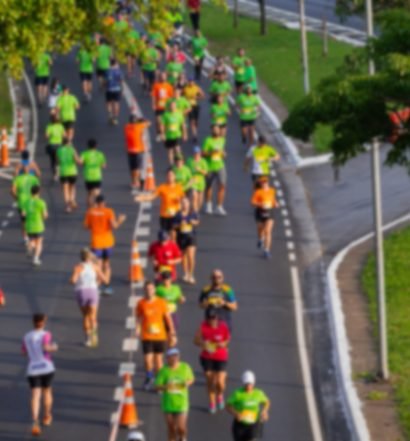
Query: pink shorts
[[87, 297]]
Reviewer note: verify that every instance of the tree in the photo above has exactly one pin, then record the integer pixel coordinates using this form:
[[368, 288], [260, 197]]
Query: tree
[[359, 107], [262, 9], [345, 8]]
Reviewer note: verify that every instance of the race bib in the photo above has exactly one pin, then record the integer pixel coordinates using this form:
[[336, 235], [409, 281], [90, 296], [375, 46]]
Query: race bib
[[247, 110], [267, 205], [210, 347], [185, 227], [220, 120], [171, 307], [154, 329], [216, 156], [173, 127], [248, 416], [171, 211]]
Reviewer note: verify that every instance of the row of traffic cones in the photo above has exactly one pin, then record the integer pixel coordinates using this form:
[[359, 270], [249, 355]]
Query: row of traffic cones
[[20, 141]]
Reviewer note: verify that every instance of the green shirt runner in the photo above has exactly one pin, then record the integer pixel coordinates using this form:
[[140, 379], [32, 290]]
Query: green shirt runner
[[67, 104], [173, 122], [247, 404], [199, 44], [85, 61], [239, 68], [248, 107], [220, 113], [34, 210], [43, 66], [214, 150], [103, 56], [223, 88], [183, 176], [262, 157], [23, 185], [198, 169], [149, 59], [66, 161], [174, 70], [55, 133], [176, 398], [93, 162], [171, 294]]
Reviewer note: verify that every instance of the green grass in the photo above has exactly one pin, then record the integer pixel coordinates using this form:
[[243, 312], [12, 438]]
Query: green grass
[[397, 250], [276, 56], [6, 108]]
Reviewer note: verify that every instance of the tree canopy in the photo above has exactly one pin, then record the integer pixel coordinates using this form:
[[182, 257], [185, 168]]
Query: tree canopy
[[359, 107], [350, 7]]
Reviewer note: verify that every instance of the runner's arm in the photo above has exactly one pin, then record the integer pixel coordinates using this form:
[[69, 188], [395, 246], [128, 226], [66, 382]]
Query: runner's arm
[[117, 222], [198, 338], [102, 277], [169, 323], [265, 411]]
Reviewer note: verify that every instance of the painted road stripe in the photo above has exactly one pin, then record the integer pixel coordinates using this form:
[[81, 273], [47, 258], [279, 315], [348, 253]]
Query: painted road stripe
[[286, 222], [290, 245], [4, 223], [114, 418], [130, 322], [146, 205], [143, 246], [143, 231], [132, 302], [276, 183], [279, 193], [118, 393], [285, 212], [145, 217], [292, 257], [130, 344], [10, 214], [127, 368], [282, 202], [14, 204], [288, 232]]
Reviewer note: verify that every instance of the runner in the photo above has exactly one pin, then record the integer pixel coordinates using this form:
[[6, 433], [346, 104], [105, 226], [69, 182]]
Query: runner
[[264, 201], [173, 69], [248, 107], [114, 86], [42, 76], [67, 106], [220, 86], [55, 136], [238, 64], [176, 54], [220, 112], [104, 53], [93, 161], [219, 68], [250, 408], [165, 255], [134, 133], [86, 67], [199, 44], [173, 381], [220, 296], [183, 105], [194, 8], [86, 277], [262, 157], [213, 150], [101, 221], [199, 170], [185, 226], [183, 175], [171, 293], [173, 130], [213, 338], [67, 160], [150, 58], [28, 163], [182, 81], [55, 92], [37, 346], [162, 91], [155, 328], [170, 194], [34, 212], [250, 76], [193, 93], [21, 191]]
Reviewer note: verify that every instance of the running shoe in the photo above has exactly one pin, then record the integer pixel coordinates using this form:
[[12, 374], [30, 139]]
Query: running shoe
[[212, 409], [221, 210], [267, 254], [36, 261], [94, 339], [259, 244], [47, 420], [107, 290], [208, 208], [148, 384], [36, 429], [220, 402]]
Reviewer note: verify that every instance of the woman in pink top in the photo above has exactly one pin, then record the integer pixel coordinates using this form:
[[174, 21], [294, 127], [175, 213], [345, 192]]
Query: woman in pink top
[[213, 337]]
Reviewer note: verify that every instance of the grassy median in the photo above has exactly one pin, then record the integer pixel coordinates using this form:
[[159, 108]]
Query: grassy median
[[6, 108], [276, 56], [397, 257]]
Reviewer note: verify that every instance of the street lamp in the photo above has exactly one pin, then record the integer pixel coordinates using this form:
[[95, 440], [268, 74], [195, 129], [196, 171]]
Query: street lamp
[[303, 38], [378, 226]]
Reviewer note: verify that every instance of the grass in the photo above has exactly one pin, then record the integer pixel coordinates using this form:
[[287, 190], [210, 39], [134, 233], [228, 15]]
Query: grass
[[276, 56], [6, 108], [397, 257]]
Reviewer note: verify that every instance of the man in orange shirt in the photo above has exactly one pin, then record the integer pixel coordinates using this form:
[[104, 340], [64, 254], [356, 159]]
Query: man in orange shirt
[[101, 221], [154, 326], [134, 138], [162, 91], [264, 201], [170, 194]]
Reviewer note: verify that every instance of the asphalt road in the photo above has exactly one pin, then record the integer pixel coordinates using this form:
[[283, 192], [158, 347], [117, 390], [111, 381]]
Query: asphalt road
[[264, 327]]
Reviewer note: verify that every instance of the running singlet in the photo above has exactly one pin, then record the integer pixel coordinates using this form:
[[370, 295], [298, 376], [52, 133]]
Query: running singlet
[[114, 80], [212, 336], [39, 361], [87, 278]]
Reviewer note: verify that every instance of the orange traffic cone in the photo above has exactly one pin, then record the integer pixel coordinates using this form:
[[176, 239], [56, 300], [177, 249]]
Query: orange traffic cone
[[20, 140], [2, 298], [149, 184], [4, 154], [136, 273], [129, 413]]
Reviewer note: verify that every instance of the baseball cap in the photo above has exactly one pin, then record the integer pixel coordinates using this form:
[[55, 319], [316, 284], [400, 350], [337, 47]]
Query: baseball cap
[[197, 149], [135, 435], [172, 351], [248, 377], [162, 235]]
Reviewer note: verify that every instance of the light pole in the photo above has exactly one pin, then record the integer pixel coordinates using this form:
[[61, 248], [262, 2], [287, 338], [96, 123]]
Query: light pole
[[303, 38], [378, 226]]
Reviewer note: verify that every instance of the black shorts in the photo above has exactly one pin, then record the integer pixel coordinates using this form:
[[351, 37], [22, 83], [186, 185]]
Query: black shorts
[[68, 124], [102, 73], [239, 84], [159, 112], [92, 185], [22, 217], [113, 96], [185, 241], [262, 215], [34, 235], [153, 346], [245, 432], [172, 143], [167, 223], [86, 76], [68, 179], [149, 75], [247, 123], [193, 115], [43, 381], [213, 365], [135, 160], [41, 81], [51, 149]]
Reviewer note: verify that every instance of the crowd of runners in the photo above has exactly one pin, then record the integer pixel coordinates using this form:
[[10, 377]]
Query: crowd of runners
[[197, 170]]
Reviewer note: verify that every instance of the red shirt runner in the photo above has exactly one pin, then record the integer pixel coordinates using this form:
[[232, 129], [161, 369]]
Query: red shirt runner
[[212, 336], [162, 253]]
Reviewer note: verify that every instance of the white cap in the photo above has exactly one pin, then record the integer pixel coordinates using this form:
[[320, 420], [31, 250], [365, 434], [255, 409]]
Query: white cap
[[248, 377], [136, 435]]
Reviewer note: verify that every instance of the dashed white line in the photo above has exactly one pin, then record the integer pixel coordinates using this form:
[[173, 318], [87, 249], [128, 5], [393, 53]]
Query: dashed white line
[[288, 232], [292, 257], [286, 222], [10, 214], [279, 193], [143, 246], [285, 212], [130, 344], [130, 323], [4, 223], [276, 183], [282, 202], [146, 205], [127, 368], [145, 217], [290, 245], [143, 231], [273, 173], [118, 393]]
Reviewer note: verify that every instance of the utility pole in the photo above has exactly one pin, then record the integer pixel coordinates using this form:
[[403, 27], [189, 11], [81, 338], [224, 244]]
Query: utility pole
[[378, 226], [303, 38]]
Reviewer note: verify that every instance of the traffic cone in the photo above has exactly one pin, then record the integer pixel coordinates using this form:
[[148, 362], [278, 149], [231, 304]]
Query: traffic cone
[[4, 154], [149, 184], [136, 274], [129, 413], [2, 298], [20, 140]]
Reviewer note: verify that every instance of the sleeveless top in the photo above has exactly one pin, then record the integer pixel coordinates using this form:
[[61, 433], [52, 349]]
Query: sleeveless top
[[87, 278], [39, 361]]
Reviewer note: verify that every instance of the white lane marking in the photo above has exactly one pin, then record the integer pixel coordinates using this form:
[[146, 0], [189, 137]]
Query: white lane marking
[[130, 322], [4, 223], [286, 222], [288, 232], [133, 300], [137, 284], [114, 418], [1, 233], [145, 217], [143, 246], [290, 245], [273, 173], [14, 204], [279, 193], [10, 214], [292, 257], [282, 202], [303, 356], [130, 344], [143, 231], [285, 212], [144, 262], [127, 368], [146, 205], [118, 393], [276, 183]]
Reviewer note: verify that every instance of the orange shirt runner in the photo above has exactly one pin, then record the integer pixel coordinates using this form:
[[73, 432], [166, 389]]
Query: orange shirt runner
[[170, 196], [134, 136], [151, 314], [264, 198], [161, 92], [99, 221]]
